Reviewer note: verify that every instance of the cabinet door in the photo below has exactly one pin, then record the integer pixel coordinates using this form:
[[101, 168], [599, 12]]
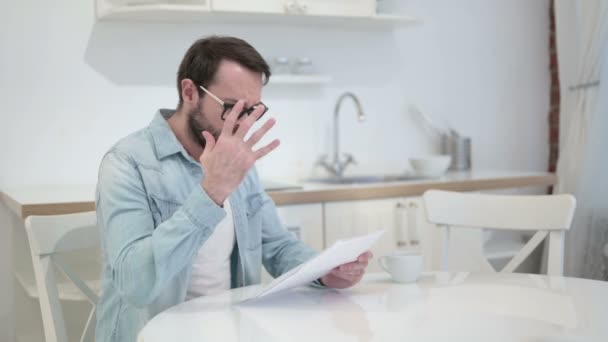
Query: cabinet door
[[354, 8], [258, 6], [414, 232], [347, 8], [305, 221], [352, 218]]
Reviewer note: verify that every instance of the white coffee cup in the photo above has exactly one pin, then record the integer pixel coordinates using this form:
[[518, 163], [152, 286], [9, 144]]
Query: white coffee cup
[[404, 267]]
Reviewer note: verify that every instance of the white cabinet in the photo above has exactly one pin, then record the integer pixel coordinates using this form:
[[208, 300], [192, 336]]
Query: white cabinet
[[406, 228], [305, 221], [257, 6], [351, 218], [358, 14], [349, 8], [321, 224]]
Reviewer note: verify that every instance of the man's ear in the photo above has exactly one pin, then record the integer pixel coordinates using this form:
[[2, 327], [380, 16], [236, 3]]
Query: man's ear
[[189, 91]]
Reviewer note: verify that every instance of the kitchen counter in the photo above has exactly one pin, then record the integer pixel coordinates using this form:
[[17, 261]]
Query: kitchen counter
[[310, 220], [70, 199]]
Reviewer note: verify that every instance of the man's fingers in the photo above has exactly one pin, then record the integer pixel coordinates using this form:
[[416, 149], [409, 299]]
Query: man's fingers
[[260, 133], [260, 153], [355, 265], [258, 112], [351, 273], [232, 117], [246, 124], [361, 262], [365, 256], [349, 276]]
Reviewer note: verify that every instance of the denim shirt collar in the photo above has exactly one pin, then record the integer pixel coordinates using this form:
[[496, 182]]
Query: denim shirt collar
[[165, 141]]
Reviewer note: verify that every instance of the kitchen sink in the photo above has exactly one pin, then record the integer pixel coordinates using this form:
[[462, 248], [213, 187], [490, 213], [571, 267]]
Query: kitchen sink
[[364, 179]]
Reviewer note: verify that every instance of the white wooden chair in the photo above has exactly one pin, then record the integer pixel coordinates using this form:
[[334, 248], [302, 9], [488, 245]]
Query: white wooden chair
[[549, 215], [48, 237]]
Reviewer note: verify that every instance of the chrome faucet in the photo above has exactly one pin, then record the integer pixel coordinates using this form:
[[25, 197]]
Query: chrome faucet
[[337, 166]]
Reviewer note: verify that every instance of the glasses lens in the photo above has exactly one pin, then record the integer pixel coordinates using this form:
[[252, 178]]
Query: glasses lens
[[245, 111], [227, 109]]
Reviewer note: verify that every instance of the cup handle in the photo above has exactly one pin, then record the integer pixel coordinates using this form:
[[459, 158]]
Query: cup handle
[[381, 262]]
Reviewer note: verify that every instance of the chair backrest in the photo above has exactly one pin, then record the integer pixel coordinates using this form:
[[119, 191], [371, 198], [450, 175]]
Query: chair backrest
[[48, 236], [549, 215]]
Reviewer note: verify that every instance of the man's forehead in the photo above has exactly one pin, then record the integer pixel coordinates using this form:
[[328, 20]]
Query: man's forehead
[[232, 72], [236, 80]]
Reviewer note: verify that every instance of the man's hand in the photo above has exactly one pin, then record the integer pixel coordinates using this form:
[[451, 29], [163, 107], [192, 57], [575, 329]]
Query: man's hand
[[227, 161], [349, 274]]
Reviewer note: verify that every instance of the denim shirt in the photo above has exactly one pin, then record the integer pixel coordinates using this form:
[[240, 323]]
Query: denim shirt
[[153, 217]]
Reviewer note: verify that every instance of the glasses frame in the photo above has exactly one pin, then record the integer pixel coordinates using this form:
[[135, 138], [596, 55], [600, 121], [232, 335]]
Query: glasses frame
[[228, 106]]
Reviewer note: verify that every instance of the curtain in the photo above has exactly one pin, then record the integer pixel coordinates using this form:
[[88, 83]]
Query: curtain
[[582, 169]]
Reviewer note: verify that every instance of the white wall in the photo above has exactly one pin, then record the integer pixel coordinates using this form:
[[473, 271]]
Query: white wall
[[71, 87]]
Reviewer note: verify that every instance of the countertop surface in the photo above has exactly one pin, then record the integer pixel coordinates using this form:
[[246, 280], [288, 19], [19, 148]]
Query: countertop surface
[[458, 306], [46, 200]]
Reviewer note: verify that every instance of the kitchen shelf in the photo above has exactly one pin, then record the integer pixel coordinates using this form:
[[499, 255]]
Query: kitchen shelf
[[176, 13], [316, 79]]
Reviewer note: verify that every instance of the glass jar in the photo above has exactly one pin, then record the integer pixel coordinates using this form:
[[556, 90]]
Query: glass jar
[[303, 66], [281, 66]]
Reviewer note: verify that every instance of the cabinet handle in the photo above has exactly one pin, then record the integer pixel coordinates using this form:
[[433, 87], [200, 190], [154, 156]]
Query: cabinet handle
[[406, 224], [401, 223], [296, 7], [303, 7], [291, 7], [412, 222]]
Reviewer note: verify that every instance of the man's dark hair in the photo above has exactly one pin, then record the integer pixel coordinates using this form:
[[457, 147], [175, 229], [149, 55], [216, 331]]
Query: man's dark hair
[[203, 58]]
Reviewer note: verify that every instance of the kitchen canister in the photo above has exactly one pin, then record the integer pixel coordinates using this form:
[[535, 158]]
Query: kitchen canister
[[281, 66], [303, 66], [459, 148]]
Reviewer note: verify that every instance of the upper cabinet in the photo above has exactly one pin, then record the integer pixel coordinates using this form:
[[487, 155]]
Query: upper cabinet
[[348, 8], [312, 13], [259, 6], [357, 8]]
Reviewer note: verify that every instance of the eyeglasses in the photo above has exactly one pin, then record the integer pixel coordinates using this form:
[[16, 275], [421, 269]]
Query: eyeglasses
[[228, 106]]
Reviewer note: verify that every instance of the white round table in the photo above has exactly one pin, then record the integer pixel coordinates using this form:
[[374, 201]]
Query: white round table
[[439, 307]]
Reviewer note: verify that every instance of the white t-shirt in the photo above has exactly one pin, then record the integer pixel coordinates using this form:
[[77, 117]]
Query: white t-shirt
[[211, 265]]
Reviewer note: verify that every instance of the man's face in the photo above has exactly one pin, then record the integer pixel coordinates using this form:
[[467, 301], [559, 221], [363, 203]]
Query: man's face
[[232, 83]]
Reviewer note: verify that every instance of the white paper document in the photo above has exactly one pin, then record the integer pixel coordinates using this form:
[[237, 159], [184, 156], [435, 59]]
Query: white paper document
[[341, 252]]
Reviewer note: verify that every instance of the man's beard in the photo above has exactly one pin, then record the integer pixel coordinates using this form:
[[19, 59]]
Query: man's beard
[[197, 123]]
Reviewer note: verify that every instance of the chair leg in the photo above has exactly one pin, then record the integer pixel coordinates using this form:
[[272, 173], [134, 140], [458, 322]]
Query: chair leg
[[89, 333], [555, 261], [50, 306], [446, 248]]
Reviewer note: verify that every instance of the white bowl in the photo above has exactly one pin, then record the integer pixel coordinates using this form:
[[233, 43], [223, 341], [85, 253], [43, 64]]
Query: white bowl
[[431, 166]]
